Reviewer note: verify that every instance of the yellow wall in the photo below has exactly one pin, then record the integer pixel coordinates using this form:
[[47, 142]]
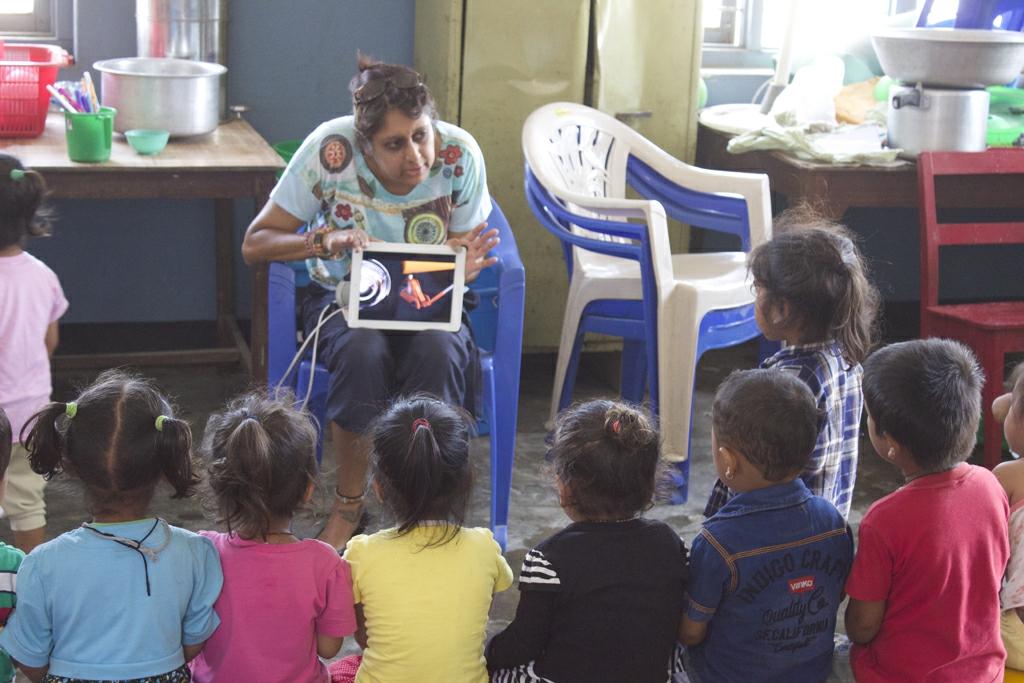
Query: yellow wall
[[517, 56]]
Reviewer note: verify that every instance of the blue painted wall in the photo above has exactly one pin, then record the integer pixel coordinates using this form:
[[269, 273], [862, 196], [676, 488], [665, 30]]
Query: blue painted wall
[[290, 62]]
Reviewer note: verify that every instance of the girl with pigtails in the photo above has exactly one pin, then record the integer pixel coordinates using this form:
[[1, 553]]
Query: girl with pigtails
[[126, 596], [422, 588]]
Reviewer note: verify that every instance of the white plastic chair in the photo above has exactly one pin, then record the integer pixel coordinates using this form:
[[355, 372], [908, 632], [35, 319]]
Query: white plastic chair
[[624, 279]]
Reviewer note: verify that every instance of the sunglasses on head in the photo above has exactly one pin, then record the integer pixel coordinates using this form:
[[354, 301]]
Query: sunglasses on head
[[377, 87]]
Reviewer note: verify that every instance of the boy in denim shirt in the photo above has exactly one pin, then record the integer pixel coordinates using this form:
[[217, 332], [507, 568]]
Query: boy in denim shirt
[[767, 570]]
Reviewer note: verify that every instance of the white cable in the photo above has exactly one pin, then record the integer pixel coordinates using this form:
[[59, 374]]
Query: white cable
[[312, 362], [313, 337]]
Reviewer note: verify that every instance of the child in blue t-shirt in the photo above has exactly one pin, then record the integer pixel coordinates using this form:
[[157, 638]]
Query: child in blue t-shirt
[[767, 570], [125, 597]]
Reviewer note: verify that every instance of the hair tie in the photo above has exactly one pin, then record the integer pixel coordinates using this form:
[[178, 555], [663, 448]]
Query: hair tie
[[70, 409], [616, 426], [17, 174], [160, 422], [420, 422]]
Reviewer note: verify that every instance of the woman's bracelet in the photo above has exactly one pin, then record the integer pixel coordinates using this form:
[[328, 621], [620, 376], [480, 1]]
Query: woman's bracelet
[[315, 241], [309, 243]]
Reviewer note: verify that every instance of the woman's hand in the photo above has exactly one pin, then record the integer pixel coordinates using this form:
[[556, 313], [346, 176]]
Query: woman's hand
[[337, 241], [477, 243]]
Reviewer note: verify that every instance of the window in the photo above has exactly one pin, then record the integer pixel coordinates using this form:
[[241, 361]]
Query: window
[[723, 23], [27, 18], [760, 25]]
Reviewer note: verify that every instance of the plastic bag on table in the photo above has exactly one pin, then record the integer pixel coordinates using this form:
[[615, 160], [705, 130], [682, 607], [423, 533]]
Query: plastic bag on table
[[810, 97]]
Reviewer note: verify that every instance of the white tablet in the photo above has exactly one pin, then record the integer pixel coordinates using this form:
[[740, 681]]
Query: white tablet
[[406, 287]]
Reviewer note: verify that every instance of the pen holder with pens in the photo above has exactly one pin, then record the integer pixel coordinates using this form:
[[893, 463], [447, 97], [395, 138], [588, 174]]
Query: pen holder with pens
[[90, 136]]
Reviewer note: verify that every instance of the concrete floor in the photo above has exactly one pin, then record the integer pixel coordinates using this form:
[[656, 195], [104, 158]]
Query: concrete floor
[[534, 514]]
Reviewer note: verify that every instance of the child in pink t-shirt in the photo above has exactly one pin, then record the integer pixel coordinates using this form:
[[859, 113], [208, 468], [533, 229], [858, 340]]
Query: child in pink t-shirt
[[285, 602], [31, 302], [924, 586]]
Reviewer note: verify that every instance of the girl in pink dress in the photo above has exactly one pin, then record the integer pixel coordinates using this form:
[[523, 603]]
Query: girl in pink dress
[[31, 302], [286, 601]]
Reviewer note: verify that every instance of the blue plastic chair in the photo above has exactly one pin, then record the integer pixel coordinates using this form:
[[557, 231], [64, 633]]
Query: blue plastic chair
[[624, 281], [980, 14], [502, 291]]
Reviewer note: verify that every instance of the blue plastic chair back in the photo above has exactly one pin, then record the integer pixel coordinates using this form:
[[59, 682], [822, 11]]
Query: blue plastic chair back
[[559, 220], [980, 14], [717, 212]]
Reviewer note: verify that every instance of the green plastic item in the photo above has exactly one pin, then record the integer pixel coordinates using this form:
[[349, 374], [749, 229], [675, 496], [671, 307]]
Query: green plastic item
[[147, 141], [90, 136], [1005, 116], [882, 88], [702, 93], [286, 149]]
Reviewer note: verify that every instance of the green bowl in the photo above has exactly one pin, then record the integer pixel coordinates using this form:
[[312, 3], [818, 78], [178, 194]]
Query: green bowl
[[146, 141]]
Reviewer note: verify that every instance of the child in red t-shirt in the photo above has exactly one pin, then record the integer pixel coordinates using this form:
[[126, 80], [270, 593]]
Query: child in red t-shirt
[[924, 587]]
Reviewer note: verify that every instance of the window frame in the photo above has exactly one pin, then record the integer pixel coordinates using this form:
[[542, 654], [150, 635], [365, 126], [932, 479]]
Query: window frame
[[747, 52], [51, 22]]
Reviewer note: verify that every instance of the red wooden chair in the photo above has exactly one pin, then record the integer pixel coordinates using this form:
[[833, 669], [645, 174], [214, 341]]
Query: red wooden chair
[[991, 329]]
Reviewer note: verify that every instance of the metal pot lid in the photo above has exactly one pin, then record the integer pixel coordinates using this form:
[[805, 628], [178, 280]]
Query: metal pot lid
[[159, 67]]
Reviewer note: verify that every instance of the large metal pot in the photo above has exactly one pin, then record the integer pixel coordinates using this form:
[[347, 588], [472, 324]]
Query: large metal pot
[[185, 29], [936, 120], [950, 58], [177, 95]]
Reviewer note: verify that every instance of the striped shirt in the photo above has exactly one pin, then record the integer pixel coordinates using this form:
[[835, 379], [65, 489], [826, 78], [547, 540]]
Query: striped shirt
[[10, 560], [537, 571], [598, 601], [836, 386]]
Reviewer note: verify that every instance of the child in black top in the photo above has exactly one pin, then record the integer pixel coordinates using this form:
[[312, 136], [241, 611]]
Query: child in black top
[[602, 599]]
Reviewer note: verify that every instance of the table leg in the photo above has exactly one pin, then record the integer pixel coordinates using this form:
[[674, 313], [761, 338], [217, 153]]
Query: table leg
[[258, 336], [228, 332], [225, 256], [259, 323]]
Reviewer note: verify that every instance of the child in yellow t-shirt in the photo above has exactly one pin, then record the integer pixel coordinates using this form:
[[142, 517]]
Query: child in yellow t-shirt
[[423, 588]]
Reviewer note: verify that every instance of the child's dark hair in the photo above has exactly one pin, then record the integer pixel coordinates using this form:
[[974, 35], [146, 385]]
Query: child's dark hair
[[6, 444], [261, 458], [119, 437], [770, 416], [21, 199], [607, 455], [814, 266], [421, 464], [412, 101], [926, 395]]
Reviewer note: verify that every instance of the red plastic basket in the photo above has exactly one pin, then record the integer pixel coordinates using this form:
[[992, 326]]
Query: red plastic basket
[[25, 71]]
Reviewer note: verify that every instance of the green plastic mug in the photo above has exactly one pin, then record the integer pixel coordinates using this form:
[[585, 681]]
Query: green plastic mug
[[90, 136]]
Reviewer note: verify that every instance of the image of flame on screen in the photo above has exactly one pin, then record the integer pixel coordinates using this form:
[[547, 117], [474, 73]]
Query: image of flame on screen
[[412, 293]]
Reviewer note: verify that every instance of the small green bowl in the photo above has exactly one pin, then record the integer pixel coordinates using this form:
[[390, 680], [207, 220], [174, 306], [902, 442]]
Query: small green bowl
[[146, 141]]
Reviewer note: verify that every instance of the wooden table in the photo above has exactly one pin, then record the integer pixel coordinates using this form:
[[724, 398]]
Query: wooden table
[[832, 189], [233, 162]]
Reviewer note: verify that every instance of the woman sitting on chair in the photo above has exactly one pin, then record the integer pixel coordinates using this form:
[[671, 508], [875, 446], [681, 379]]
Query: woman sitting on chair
[[389, 172]]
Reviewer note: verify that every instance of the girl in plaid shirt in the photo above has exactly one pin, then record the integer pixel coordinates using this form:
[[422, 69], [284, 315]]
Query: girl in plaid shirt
[[813, 294]]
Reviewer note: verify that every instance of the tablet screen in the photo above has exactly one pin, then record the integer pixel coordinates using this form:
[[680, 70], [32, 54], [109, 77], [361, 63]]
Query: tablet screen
[[409, 286]]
